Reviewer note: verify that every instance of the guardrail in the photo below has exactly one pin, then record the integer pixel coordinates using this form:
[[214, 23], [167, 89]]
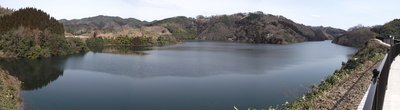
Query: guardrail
[[376, 94]]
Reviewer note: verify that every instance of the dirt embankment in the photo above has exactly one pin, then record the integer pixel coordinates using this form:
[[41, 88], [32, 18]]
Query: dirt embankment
[[347, 94], [345, 88]]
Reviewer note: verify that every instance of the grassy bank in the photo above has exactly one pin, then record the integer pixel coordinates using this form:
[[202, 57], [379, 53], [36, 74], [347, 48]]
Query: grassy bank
[[10, 88], [370, 54]]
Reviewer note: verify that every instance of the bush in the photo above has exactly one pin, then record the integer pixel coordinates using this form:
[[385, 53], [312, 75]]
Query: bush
[[97, 41], [33, 44], [34, 52], [31, 33], [76, 45], [130, 41]]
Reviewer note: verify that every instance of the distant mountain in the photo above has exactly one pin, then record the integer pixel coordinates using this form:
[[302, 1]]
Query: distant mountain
[[241, 27], [99, 23], [247, 27], [261, 28]]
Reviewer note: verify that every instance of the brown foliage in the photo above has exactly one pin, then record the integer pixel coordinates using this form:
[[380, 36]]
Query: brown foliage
[[356, 37]]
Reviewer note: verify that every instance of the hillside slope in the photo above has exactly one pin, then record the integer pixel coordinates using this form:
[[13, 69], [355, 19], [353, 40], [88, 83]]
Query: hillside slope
[[241, 27], [356, 37], [5, 11], [32, 33], [99, 23], [359, 35]]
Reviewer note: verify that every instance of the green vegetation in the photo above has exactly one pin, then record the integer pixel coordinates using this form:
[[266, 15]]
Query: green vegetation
[[372, 52], [31, 33], [130, 41], [166, 40], [181, 27], [180, 33], [97, 41], [33, 44], [9, 92], [123, 50], [76, 45], [125, 40], [390, 28]]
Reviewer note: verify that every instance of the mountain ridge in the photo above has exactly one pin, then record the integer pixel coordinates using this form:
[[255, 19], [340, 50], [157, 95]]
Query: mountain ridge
[[254, 27]]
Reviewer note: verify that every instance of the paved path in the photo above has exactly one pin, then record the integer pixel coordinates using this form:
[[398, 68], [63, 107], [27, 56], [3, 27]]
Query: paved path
[[392, 96]]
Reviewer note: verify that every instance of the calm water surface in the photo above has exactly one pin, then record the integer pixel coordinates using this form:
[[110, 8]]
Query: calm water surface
[[189, 76]]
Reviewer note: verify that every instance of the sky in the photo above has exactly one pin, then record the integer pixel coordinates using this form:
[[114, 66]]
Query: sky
[[335, 13]]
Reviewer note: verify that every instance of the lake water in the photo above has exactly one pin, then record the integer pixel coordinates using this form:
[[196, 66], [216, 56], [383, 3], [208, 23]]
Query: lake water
[[188, 76]]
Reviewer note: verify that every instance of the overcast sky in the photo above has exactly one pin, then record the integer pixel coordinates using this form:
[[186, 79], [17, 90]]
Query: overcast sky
[[336, 13]]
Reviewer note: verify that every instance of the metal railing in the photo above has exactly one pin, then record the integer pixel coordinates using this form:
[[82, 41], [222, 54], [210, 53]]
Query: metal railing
[[376, 93]]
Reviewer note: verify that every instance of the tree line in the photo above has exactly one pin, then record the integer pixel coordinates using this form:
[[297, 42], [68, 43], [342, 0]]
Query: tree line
[[32, 33], [130, 41]]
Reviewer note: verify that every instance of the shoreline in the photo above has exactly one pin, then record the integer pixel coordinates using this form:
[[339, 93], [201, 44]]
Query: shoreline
[[314, 104], [345, 88]]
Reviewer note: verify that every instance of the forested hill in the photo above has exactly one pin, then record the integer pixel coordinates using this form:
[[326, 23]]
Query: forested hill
[[5, 11], [241, 27], [30, 18], [100, 23], [358, 36], [248, 27], [32, 33]]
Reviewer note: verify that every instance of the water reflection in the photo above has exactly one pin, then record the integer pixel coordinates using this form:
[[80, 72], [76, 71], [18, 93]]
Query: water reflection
[[193, 59], [127, 50], [206, 75], [201, 59], [34, 74]]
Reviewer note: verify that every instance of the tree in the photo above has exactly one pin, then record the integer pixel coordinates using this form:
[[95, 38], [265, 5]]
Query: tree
[[94, 34], [30, 18], [356, 27]]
